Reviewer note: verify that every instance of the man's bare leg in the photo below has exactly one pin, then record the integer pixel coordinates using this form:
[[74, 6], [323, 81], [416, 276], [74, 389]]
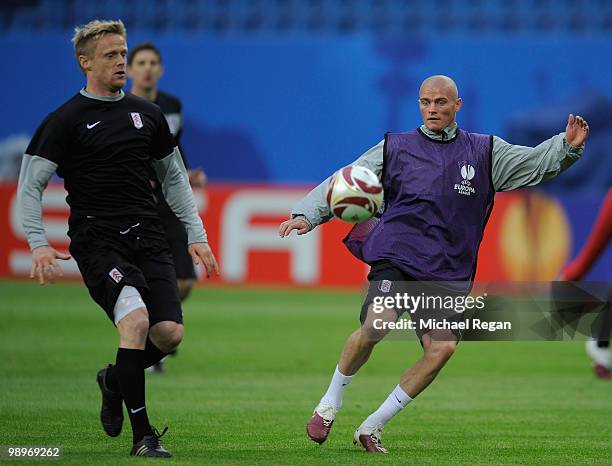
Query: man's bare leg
[[420, 375], [436, 353], [355, 353]]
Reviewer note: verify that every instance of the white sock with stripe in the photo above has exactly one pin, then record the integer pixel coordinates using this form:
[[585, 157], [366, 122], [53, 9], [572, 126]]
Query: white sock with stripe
[[335, 391], [395, 402]]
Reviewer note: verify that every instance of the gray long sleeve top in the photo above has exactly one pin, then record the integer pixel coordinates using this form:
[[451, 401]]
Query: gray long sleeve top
[[513, 167], [172, 174]]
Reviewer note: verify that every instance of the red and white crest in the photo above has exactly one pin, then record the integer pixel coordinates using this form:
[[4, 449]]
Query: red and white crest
[[115, 275], [136, 119], [385, 286]]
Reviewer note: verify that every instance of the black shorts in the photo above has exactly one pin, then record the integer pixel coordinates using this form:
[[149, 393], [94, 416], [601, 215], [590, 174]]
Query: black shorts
[[387, 279], [176, 235], [113, 253]]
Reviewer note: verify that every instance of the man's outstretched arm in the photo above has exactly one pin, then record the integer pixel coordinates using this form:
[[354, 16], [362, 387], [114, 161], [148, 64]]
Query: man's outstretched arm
[[33, 179], [518, 166], [313, 210]]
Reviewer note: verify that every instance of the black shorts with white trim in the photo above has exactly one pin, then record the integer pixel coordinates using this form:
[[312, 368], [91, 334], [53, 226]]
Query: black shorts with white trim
[[113, 253]]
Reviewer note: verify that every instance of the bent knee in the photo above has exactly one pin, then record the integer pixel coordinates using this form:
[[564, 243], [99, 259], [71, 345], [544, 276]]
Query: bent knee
[[167, 335], [370, 336], [141, 325], [440, 350], [175, 337], [135, 324]]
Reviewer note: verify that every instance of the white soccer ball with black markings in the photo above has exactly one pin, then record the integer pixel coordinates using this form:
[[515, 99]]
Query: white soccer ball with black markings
[[354, 194]]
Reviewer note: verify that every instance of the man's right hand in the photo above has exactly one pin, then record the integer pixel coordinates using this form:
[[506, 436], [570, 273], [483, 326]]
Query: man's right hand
[[297, 223], [44, 264]]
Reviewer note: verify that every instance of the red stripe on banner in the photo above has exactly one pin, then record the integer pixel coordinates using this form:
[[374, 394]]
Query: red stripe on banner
[[242, 223]]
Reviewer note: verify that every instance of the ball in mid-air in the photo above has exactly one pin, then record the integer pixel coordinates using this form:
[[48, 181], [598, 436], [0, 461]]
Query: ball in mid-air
[[354, 194]]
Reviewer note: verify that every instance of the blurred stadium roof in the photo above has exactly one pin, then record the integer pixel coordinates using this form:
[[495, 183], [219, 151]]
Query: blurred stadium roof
[[405, 17]]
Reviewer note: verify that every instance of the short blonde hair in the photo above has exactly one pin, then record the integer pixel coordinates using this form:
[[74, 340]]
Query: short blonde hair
[[86, 37]]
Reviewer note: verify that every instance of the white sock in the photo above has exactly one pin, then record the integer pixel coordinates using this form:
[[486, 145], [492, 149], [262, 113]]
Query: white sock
[[336, 388], [395, 402]]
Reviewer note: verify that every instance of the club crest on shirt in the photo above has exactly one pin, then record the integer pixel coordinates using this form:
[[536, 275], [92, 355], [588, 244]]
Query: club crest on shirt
[[467, 172], [136, 119], [115, 275], [385, 286]]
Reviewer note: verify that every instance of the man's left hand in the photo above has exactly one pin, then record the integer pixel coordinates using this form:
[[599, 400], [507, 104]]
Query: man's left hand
[[576, 131], [201, 252]]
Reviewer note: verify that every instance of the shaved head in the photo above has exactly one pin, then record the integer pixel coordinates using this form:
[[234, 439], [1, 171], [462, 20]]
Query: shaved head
[[439, 102], [442, 83]]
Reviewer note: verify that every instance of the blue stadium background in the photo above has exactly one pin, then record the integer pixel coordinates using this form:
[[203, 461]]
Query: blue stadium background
[[289, 90]]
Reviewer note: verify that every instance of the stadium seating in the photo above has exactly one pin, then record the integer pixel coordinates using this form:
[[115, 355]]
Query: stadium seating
[[320, 16]]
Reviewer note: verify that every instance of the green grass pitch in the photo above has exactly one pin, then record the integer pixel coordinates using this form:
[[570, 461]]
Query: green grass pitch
[[255, 362]]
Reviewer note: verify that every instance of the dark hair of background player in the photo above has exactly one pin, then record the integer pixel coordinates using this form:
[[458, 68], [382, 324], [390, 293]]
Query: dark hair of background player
[[139, 48]]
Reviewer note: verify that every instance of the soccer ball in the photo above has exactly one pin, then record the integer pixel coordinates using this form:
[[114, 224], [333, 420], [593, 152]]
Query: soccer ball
[[354, 194]]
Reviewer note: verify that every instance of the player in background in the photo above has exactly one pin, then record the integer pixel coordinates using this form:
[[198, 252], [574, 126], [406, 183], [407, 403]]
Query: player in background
[[599, 238], [145, 69], [439, 184], [103, 142]]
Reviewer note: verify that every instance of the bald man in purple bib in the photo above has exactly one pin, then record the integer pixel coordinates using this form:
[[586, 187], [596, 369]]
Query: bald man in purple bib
[[439, 183]]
